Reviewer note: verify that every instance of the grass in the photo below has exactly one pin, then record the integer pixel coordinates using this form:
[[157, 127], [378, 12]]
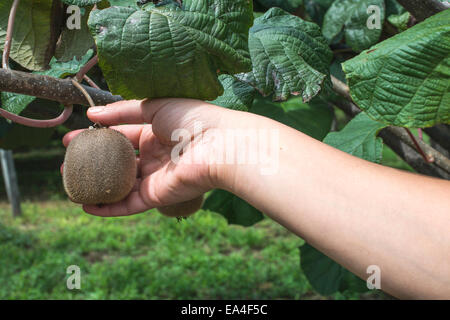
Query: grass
[[146, 256]]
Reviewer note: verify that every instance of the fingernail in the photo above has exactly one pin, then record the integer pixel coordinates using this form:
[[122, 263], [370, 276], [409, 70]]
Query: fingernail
[[96, 109]]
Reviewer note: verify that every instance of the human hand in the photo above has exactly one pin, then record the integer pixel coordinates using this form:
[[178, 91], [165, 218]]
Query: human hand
[[160, 181]]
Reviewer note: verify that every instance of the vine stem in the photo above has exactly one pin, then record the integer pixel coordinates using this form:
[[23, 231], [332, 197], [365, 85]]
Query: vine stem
[[9, 33], [419, 149], [85, 69], [39, 123], [84, 92], [422, 9], [5, 64], [91, 82]]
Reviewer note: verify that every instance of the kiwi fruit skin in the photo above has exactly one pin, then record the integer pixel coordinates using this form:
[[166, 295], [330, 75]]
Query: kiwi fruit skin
[[99, 167], [182, 209]]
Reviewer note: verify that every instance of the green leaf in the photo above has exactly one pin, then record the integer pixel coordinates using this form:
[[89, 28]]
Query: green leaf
[[34, 32], [400, 21], [397, 15], [352, 16], [16, 103], [317, 9], [313, 119], [289, 55], [359, 138], [324, 275], [75, 43], [234, 209], [403, 81], [237, 95], [288, 5], [168, 51], [124, 3], [81, 3]]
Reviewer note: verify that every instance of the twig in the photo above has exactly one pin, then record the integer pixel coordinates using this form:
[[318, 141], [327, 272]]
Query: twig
[[422, 9], [51, 88], [85, 69], [91, 82], [341, 88], [418, 148], [39, 123], [84, 92], [5, 64], [9, 34]]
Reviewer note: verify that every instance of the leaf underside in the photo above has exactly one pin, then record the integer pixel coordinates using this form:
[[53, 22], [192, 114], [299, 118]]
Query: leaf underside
[[359, 138], [351, 16], [237, 95], [168, 51], [289, 55], [234, 209], [31, 42], [404, 80]]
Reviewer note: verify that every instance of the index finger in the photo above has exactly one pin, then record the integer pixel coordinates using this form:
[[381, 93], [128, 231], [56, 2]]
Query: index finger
[[132, 132], [127, 112]]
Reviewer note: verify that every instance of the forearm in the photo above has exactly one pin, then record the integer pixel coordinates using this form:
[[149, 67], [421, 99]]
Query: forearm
[[356, 212]]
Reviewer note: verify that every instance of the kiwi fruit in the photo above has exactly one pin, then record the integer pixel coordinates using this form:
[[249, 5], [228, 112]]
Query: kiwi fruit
[[99, 167], [182, 209]]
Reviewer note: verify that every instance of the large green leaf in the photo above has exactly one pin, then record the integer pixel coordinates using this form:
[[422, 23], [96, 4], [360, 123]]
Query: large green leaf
[[76, 42], [289, 55], [16, 103], [288, 5], [237, 95], [404, 80], [352, 16], [34, 36], [234, 209], [169, 51], [313, 119], [325, 275], [359, 138]]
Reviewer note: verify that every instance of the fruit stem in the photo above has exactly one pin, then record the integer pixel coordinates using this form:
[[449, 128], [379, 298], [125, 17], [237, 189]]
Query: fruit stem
[[9, 33], [419, 149]]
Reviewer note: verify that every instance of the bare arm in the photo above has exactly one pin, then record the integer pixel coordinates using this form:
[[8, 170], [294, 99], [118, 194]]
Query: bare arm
[[354, 211]]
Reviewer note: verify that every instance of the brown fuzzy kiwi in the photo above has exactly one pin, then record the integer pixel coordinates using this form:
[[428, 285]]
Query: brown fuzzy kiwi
[[99, 167], [182, 209]]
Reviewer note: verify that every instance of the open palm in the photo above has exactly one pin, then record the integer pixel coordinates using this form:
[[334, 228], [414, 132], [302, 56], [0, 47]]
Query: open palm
[[149, 126]]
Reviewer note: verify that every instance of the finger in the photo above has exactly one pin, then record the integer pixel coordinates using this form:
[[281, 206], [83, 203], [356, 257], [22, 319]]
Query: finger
[[136, 185], [132, 132], [133, 204], [132, 111], [69, 136]]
